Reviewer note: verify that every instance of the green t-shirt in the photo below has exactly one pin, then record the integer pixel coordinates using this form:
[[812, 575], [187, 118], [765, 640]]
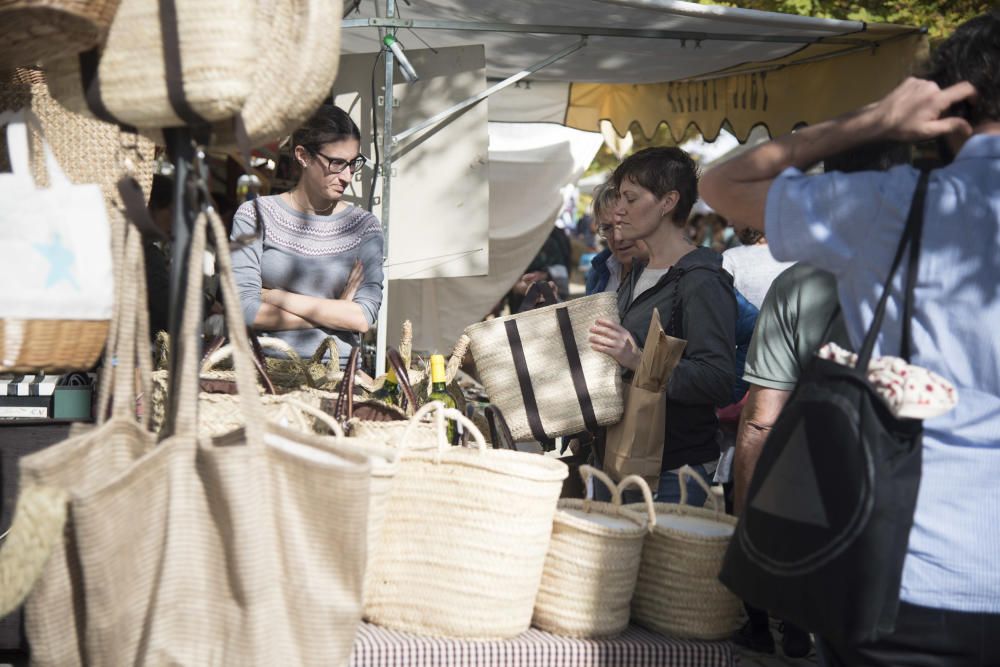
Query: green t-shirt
[[793, 318]]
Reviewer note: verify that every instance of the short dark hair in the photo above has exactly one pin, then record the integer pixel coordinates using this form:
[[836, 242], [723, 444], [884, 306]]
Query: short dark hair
[[605, 198], [660, 170], [328, 124], [972, 54]]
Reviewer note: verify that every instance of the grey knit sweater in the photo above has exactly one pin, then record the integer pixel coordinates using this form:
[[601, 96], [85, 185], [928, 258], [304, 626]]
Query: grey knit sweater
[[308, 254]]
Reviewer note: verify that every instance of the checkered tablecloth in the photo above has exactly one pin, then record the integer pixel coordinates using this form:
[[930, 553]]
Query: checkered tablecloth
[[379, 647]]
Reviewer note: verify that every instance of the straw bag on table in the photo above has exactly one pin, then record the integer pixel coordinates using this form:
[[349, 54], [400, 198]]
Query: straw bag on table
[[539, 368], [223, 551], [56, 243], [464, 538], [593, 562], [679, 593]]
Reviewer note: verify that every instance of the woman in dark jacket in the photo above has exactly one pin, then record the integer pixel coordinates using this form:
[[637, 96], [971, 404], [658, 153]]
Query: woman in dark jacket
[[657, 188]]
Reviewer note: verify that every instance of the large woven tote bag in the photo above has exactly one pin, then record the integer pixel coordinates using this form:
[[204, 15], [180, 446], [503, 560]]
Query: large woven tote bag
[[464, 539], [55, 619], [234, 551], [35, 30], [538, 367]]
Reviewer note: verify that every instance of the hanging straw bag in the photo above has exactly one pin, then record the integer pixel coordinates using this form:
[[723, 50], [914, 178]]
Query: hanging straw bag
[[57, 242], [36, 30], [165, 63], [593, 562], [679, 593], [538, 367], [464, 538], [55, 608], [224, 551]]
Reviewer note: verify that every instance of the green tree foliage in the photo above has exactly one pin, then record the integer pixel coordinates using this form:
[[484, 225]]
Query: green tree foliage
[[940, 17]]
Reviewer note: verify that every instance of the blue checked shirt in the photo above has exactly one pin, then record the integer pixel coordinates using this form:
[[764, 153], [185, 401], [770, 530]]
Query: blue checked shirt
[[850, 224]]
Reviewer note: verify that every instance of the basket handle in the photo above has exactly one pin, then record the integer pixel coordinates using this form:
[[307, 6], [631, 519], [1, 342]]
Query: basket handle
[[586, 473], [402, 378], [438, 410], [406, 344], [647, 495], [329, 344], [268, 342], [686, 472], [327, 419], [457, 355]]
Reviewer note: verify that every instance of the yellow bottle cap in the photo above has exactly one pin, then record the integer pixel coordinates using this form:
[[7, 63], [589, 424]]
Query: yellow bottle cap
[[437, 368]]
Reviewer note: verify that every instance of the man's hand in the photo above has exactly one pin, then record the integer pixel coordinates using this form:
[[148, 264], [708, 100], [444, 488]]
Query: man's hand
[[354, 281], [615, 341], [912, 112]]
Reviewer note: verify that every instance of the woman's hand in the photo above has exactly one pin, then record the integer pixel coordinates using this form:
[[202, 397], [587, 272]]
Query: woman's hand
[[615, 341], [354, 281]]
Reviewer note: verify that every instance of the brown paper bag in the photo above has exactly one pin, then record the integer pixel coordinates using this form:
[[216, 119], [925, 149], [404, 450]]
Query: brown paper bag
[[634, 446]]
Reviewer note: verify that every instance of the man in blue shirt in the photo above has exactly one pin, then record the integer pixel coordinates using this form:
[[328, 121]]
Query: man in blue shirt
[[850, 224]]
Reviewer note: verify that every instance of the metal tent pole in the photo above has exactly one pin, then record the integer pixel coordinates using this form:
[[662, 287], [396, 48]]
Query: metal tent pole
[[381, 334]]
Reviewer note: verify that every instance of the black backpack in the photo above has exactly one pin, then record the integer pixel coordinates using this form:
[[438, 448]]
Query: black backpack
[[824, 532]]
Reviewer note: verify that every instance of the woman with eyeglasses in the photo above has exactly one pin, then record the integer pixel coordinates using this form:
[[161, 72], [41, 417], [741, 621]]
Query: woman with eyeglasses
[[315, 267], [612, 265]]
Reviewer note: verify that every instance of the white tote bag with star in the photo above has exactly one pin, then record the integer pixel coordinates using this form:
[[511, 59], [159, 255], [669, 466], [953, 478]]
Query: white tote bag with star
[[55, 247]]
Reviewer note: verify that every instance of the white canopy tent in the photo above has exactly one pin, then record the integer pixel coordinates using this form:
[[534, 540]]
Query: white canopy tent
[[577, 62]]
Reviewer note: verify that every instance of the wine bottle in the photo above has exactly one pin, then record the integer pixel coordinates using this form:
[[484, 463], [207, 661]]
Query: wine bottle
[[389, 391], [440, 393]]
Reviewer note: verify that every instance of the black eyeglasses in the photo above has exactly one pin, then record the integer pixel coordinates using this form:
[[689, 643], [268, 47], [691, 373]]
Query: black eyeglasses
[[335, 165]]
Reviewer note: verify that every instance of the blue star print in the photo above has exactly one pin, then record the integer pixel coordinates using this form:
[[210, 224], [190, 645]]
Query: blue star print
[[60, 259]]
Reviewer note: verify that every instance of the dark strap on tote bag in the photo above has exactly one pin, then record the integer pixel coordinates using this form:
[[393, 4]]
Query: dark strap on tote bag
[[822, 540], [572, 357]]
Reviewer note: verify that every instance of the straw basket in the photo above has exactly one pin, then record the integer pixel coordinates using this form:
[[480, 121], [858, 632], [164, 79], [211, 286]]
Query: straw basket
[[538, 367], [679, 593], [35, 30], [464, 539], [593, 562]]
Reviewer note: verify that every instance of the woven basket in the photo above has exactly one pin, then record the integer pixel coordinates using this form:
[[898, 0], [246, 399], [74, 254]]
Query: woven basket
[[88, 151], [421, 437], [591, 567], [36, 30], [218, 56], [464, 539], [287, 87], [544, 401], [679, 593]]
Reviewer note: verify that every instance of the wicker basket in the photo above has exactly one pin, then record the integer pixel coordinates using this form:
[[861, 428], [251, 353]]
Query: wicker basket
[[464, 539], [592, 563], [548, 398], [679, 593], [36, 30]]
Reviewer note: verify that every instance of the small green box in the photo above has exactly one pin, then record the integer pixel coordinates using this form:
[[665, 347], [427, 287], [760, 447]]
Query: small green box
[[73, 402]]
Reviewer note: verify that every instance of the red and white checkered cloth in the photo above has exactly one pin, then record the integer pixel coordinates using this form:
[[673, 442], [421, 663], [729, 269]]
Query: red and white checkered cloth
[[375, 646]]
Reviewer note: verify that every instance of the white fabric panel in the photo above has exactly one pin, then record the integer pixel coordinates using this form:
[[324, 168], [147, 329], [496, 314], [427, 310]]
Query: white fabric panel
[[529, 163]]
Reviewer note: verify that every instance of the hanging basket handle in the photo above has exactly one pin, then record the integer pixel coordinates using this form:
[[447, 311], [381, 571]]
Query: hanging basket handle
[[686, 472]]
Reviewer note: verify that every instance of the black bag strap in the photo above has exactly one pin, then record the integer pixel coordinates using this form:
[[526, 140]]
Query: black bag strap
[[500, 434], [911, 239]]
